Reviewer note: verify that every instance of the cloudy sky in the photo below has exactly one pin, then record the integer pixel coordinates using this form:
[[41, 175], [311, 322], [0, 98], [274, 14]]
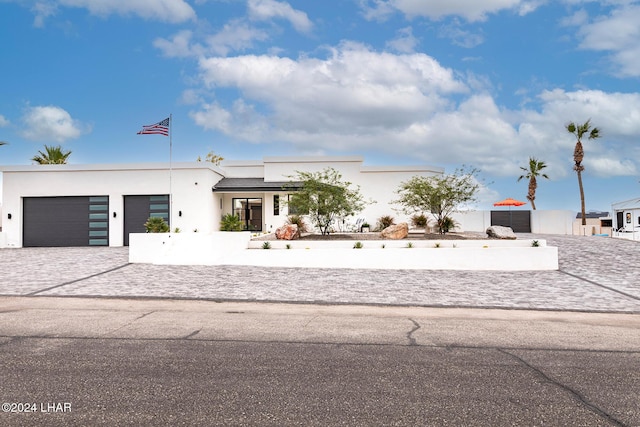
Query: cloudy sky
[[482, 83]]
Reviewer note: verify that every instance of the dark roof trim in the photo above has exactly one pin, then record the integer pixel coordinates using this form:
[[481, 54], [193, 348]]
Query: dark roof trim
[[593, 214], [245, 185]]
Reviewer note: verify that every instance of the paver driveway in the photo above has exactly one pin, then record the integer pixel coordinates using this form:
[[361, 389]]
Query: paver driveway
[[596, 274]]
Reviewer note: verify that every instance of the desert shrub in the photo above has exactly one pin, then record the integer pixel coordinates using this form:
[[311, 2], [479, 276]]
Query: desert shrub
[[266, 245], [231, 222], [446, 224], [299, 221], [419, 221], [155, 224], [385, 221]]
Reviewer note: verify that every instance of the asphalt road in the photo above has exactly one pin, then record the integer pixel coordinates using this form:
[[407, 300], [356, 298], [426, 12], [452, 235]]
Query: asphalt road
[[75, 361]]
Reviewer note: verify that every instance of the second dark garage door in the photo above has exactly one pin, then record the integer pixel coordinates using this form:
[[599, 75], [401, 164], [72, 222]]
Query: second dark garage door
[[137, 209], [519, 221], [65, 221]]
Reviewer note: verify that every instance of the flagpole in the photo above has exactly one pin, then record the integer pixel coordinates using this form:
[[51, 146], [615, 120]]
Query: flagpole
[[170, 171]]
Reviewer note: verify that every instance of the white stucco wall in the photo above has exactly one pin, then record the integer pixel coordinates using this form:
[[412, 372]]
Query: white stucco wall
[[552, 221], [542, 221], [190, 185], [377, 183], [243, 168]]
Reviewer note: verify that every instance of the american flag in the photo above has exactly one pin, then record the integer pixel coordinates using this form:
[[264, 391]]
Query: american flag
[[160, 128]]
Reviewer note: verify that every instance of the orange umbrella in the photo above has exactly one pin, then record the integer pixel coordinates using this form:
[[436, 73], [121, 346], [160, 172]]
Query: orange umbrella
[[509, 202]]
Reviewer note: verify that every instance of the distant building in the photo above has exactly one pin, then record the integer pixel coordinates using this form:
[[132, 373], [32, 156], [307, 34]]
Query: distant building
[[626, 218], [598, 222]]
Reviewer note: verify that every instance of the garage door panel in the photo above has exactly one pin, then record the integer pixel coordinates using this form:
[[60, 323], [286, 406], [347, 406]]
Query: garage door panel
[[65, 221], [138, 209]]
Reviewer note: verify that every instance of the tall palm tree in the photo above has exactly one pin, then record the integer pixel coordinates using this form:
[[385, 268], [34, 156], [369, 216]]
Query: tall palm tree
[[579, 131], [53, 155], [531, 173]]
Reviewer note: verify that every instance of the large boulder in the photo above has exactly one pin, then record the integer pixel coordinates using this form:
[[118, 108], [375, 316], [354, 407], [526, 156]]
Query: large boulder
[[499, 232], [288, 232], [396, 231]]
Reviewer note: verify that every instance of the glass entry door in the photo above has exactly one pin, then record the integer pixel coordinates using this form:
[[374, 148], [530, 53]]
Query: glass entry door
[[250, 213]]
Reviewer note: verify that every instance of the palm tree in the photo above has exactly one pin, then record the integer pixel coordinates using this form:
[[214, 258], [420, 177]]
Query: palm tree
[[578, 154], [531, 173], [53, 155]]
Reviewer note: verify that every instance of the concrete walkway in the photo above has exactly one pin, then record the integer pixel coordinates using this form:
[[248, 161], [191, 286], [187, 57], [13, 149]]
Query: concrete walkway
[[596, 274]]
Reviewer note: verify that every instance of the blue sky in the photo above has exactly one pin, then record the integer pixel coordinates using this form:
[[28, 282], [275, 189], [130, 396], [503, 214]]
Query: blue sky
[[445, 83]]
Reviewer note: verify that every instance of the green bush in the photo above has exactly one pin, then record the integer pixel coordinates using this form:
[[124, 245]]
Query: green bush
[[385, 221], [419, 221], [358, 245], [155, 224], [299, 221], [231, 222], [446, 224], [266, 245]]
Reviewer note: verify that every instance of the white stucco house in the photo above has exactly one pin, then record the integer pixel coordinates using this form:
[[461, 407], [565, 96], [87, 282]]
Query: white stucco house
[[626, 219], [99, 205]]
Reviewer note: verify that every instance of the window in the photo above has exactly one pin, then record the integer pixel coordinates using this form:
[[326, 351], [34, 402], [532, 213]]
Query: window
[[276, 205]]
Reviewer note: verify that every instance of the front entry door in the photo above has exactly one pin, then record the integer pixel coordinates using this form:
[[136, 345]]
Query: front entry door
[[250, 213]]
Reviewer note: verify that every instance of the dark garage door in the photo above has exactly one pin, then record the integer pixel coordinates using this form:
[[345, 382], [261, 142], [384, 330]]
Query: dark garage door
[[519, 221], [66, 221], [137, 209]]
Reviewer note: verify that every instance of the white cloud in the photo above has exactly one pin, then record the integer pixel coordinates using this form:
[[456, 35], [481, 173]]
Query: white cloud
[[357, 99], [607, 166], [338, 92], [241, 121], [470, 10], [179, 46], [4, 121], [264, 10], [172, 11], [618, 33], [42, 10], [460, 37], [405, 42], [235, 36], [47, 123]]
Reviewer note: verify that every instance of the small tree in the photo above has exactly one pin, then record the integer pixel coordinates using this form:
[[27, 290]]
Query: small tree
[[155, 224], [52, 155], [325, 197], [211, 157], [231, 222], [440, 195], [531, 173]]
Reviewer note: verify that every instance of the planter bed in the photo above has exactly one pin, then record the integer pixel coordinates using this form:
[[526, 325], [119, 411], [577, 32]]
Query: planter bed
[[425, 254]]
